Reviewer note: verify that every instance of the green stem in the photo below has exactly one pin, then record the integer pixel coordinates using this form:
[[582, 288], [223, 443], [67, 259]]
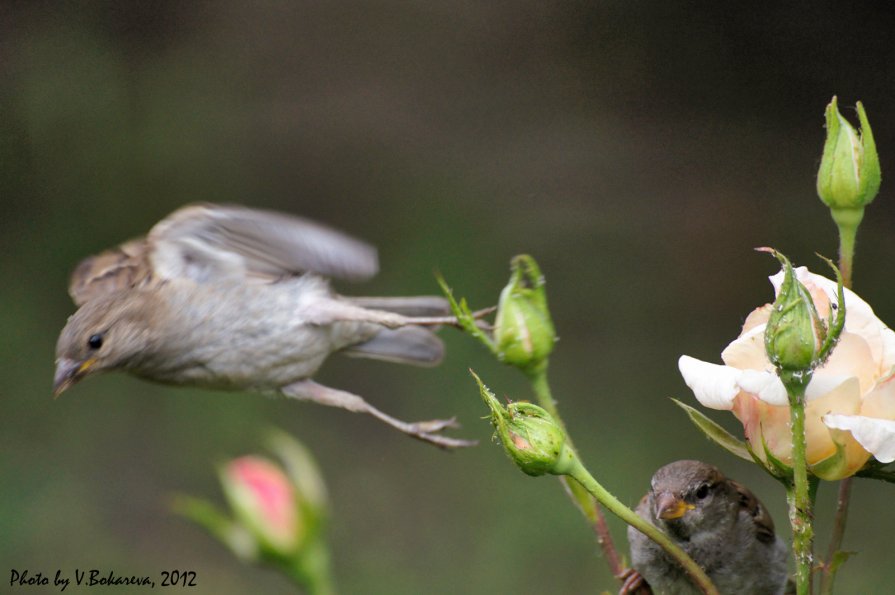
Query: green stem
[[847, 220], [577, 492], [829, 575], [612, 504], [312, 570], [799, 491], [538, 377]]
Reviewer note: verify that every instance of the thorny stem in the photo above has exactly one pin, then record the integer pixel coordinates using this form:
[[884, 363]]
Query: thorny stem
[[697, 574], [829, 574], [579, 494], [847, 221], [798, 493]]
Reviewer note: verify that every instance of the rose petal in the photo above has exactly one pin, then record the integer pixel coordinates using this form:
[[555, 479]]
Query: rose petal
[[756, 317], [843, 398], [765, 426], [887, 350], [860, 318], [879, 337], [821, 386], [747, 352], [713, 385], [856, 308], [764, 385], [876, 435], [880, 402], [852, 356]]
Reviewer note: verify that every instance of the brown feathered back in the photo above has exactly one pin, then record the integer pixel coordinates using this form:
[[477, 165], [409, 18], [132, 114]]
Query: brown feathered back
[[122, 267]]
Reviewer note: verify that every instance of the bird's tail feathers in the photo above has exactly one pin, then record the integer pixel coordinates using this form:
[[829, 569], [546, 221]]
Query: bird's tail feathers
[[406, 345]]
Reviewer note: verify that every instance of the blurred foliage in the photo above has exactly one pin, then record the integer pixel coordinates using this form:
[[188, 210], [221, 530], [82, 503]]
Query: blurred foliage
[[637, 150]]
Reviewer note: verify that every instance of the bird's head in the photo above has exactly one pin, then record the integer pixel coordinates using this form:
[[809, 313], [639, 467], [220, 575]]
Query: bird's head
[[103, 334], [687, 495]]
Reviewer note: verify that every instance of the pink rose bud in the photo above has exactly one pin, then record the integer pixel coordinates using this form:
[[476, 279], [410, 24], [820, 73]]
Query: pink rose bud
[[264, 501]]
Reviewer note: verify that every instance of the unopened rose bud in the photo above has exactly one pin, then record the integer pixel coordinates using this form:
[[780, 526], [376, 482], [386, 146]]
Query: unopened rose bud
[[303, 473], [264, 502], [530, 436], [849, 174], [523, 330], [792, 337], [796, 338], [278, 513]]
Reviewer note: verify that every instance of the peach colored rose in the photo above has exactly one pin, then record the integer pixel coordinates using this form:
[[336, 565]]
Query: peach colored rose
[[850, 411]]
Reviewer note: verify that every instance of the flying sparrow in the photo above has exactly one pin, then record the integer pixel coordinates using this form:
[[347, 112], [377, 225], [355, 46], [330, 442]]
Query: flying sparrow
[[231, 298], [719, 523]]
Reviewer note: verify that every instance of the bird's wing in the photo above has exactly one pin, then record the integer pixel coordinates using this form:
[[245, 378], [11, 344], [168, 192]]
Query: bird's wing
[[764, 524], [207, 242], [119, 268]]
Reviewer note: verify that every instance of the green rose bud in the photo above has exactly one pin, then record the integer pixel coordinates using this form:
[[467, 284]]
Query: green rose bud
[[849, 174], [796, 338], [523, 330], [794, 331], [530, 436]]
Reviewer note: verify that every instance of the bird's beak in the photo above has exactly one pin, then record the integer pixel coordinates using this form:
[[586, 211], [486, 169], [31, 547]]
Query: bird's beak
[[669, 506], [68, 372]]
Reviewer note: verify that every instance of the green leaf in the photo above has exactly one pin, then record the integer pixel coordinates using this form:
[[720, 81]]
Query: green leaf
[[831, 467], [870, 171], [775, 466], [835, 325], [202, 513], [839, 558], [464, 315], [715, 432], [209, 517]]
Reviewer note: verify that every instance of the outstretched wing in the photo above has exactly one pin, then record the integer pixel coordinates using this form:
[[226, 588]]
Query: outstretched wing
[[208, 242]]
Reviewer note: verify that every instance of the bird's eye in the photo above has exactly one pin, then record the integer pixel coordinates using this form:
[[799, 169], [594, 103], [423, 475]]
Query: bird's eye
[[95, 341], [702, 491]]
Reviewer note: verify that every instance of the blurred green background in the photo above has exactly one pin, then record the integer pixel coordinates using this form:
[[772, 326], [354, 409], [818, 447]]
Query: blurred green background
[[638, 150]]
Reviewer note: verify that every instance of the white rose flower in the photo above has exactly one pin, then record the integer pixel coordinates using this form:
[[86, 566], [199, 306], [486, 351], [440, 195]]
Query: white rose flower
[[850, 410]]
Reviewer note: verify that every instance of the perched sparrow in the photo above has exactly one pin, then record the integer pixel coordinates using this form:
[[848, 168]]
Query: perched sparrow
[[231, 298], [719, 523]]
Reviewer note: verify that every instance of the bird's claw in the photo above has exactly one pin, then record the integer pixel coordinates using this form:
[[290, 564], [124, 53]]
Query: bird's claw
[[427, 431], [434, 425], [633, 583]]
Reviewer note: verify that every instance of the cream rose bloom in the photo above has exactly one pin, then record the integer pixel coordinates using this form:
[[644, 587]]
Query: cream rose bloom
[[850, 411]]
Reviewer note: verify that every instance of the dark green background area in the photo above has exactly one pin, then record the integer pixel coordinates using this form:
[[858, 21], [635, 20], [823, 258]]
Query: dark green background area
[[638, 151]]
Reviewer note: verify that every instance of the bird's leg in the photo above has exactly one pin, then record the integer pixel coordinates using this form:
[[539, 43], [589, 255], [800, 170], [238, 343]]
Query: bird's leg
[[345, 311], [427, 431]]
